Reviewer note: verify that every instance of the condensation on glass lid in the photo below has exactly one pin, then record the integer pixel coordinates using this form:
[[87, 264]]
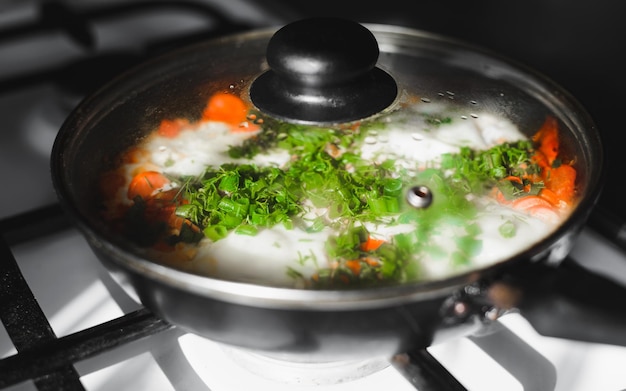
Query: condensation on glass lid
[[418, 194]]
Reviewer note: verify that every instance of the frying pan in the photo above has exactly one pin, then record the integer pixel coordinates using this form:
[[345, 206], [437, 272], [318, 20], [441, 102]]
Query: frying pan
[[340, 324]]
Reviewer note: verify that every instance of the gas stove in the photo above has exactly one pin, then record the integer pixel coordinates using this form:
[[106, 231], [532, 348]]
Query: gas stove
[[67, 325]]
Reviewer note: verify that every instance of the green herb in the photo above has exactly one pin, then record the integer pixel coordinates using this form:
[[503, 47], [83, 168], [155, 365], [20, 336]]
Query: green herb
[[325, 173], [291, 272], [507, 229], [480, 169], [240, 197]]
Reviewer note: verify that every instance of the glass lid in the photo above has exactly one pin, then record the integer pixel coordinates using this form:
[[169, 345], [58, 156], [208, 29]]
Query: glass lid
[[262, 158]]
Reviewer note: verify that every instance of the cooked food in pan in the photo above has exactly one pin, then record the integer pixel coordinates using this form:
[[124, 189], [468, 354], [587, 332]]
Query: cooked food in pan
[[420, 193]]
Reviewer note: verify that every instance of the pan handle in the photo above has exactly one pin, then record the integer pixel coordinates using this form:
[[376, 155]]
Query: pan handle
[[569, 301]]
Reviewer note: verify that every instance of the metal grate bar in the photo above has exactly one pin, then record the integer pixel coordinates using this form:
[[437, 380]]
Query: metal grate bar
[[33, 224], [44, 358], [23, 319], [25, 322], [425, 373], [64, 379], [55, 355]]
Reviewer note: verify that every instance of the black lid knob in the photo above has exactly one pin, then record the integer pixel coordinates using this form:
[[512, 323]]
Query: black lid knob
[[322, 70]]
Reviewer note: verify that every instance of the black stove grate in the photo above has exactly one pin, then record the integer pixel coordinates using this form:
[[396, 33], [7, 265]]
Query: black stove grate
[[50, 361], [42, 357]]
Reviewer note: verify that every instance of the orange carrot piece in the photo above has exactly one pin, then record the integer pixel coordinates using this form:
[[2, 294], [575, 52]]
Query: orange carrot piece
[[225, 108], [371, 244], [170, 128], [499, 196], [549, 196], [562, 181], [545, 213], [530, 201], [354, 266], [372, 261], [559, 182], [145, 183], [540, 159], [537, 206], [513, 178], [547, 139]]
